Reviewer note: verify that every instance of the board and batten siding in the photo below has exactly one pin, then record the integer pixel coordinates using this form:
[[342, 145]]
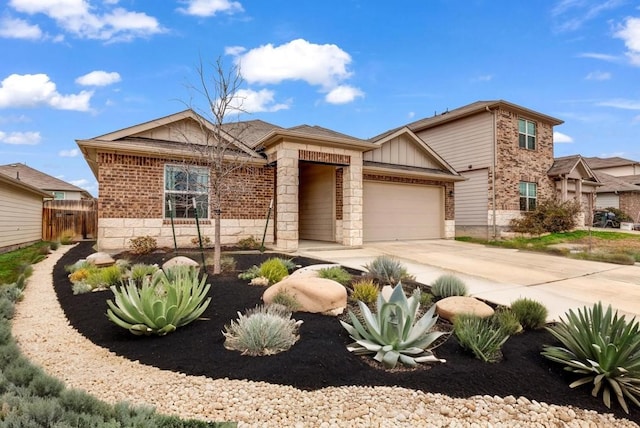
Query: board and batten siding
[[471, 198], [465, 142], [401, 151], [20, 216]]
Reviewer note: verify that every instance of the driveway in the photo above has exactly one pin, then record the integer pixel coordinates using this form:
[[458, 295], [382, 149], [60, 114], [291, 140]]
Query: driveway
[[502, 275]]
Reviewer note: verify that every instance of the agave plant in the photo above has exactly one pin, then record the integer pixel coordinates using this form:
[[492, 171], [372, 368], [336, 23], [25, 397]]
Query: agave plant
[[393, 334], [388, 270], [160, 305], [602, 347]]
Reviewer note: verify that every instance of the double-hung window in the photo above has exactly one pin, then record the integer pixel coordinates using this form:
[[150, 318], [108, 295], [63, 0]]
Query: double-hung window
[[528, 196], [183, 184], [527, 134]]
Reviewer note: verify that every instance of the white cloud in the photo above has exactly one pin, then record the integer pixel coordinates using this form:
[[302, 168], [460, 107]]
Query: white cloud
[[210, 7], [98, 78], [599, 56], [234, 50], [80, 183], [100, 21], [570, 15], [483, 78], [559, 137], [343, 94], [33, 90], [250, 101], [411, 115], [11, 28], [621, 103], [72, 153], [598, 75], [20, 138], [324, 65], [630, 33]]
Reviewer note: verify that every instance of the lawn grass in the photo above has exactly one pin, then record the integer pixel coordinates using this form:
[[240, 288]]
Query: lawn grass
[[604, 246], [13, 263]]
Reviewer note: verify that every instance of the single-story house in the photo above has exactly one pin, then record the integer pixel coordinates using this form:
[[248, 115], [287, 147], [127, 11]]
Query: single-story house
[[58, 189], [574, 177], [322, 185], [20, 213]]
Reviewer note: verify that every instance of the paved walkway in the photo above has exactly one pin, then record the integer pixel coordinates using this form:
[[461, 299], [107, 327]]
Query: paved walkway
[[502, 275]]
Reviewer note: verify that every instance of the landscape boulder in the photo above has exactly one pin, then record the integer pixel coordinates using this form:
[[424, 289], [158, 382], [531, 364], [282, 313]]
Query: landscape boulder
[[314, 295], [179, 261], [101, 259], [449, 307]]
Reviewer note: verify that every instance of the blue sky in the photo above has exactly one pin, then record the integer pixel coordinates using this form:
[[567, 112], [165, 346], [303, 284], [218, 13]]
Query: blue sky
[[75, 69]]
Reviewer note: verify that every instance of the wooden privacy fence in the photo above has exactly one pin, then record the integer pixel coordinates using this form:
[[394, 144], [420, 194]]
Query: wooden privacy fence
[[81, 217]]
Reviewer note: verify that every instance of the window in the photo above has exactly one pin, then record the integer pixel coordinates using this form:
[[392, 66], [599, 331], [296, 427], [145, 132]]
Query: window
[[528, 193], [181, 185], [527, 134], [58, 195]]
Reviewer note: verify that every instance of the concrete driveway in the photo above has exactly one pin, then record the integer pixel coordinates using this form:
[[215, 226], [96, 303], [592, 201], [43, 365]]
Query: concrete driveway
[[503, 275]]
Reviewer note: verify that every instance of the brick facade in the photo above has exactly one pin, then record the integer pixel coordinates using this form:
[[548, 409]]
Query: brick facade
[[251, 188], [449, 203], [515, 164], [630, 204]]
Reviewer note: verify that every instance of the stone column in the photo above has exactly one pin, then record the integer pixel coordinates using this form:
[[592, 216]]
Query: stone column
[[287, 198], [563, 189], [352, 224]]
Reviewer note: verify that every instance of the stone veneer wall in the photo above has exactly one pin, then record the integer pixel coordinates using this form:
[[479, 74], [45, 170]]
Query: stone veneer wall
[[515, 164], [630, 204], [131, 203]]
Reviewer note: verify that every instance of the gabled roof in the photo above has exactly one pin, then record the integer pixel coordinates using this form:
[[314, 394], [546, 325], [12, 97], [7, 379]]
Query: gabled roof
[[611, 183], [633, 179], [405, 131], [316, 135], [568, 165], [24, 186], [40, 180], [599, 163], [469, 110], [250, 132]]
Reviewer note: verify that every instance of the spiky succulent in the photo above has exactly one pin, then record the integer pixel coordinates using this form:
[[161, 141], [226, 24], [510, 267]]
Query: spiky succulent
[[604, 349], [160, 305], [392, 333]]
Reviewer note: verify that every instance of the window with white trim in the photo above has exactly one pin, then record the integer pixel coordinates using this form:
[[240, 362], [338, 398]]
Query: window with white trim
[[527, 134], [528, 196], [181, 185], [58, 195]]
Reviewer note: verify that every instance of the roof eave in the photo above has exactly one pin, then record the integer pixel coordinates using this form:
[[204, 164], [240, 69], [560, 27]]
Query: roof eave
[[276, 136]]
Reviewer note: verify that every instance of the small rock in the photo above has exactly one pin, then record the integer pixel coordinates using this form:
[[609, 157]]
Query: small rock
[[179, 261], [449, 307], [101, 259]]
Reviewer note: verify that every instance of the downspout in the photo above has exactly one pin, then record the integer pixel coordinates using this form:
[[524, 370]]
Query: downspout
[[493, 171]]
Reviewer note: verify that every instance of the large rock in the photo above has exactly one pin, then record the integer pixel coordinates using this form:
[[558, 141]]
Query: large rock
[[315, 295], [179, 261], [311, 270], [101, 259], [449, 307]]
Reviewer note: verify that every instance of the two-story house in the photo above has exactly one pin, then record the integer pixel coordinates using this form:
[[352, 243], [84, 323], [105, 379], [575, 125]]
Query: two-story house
[[58, 189]]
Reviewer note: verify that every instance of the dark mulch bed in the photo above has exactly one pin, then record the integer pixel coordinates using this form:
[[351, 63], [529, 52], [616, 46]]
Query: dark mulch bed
[[319, 359]]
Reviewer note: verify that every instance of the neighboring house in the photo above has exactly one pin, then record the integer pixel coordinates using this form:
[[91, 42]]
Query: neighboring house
[[324, 185], [574, 177], [20, 213], [621, 184], [57, 189], [504, 150]]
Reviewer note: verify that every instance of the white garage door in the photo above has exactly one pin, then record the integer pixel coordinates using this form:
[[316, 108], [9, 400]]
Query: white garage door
[[400, 211]]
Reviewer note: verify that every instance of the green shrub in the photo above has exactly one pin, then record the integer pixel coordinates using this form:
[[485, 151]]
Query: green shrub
[[387, 270], [482, 336], [335, 273], [550, 215], [604, 349], [206, 241], [43, 385], [249, 274], [227, 264], [143, 244], [507, 320], [67, 237], [139, 271], [249, 243], [392, 333], [265, 330], [7, 309], [81, 288], [98, 278], [448, 285], [274, 270], [621, 216], [160, 305], [426, 299], [365, 290], [531, 315], [287, 300], [54, 245]]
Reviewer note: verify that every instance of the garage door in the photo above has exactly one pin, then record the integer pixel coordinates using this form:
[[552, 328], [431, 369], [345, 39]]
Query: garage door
[[400, 211]]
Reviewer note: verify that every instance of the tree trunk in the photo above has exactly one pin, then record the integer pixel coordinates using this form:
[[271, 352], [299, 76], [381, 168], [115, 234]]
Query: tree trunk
[[217, 250]]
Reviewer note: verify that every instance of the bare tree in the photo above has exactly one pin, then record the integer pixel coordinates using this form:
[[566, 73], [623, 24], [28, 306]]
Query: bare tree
[[217, 145]]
